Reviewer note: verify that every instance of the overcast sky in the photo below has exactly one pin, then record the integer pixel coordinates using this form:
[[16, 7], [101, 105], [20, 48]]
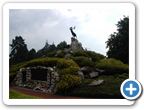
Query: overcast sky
[[93, 26]]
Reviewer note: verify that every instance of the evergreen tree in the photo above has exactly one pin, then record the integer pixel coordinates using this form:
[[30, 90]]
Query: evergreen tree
[[118, 43], [31, 54], [18, 50]]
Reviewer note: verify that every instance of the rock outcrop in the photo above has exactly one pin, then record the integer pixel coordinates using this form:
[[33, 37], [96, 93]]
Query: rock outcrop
[[75, 44]]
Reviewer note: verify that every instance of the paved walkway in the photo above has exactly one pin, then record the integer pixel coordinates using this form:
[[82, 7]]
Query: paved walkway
[[42, 94]]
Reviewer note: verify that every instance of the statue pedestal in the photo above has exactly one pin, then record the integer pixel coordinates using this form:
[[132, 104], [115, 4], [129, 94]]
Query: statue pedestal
[[75, 45]]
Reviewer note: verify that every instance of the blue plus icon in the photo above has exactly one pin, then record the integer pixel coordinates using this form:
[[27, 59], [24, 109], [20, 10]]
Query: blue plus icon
[[130, 89]]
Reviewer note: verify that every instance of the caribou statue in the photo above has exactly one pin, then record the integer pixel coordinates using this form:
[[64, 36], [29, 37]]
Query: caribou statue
[[71, 29]]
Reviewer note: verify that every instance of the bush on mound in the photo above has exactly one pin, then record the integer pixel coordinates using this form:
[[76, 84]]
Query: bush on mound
[[112, 66], [68, 82], [83, 61]]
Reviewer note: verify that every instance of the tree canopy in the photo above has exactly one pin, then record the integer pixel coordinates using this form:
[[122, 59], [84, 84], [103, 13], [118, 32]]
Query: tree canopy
[[118, 43], [18, 50]]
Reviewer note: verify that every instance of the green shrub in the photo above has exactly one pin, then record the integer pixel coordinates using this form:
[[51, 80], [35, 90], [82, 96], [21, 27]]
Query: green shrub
[[70, 70], [61, 54], [112, 66], [124, 76], [68, 82], [79, 53], [48, 62], [95, 56], [51, 54], [83, 61]]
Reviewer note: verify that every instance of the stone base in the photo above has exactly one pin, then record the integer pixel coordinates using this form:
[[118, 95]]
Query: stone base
[[75, 45]]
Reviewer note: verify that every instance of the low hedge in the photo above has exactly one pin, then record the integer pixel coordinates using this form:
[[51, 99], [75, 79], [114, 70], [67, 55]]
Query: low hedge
[[112, 66]]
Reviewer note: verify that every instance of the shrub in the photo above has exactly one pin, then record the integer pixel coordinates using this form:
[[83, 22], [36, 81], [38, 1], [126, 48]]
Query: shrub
[[61, 54], [95, 56], [71, 70], [68, 82], [83, 61], [63, 63], [79, 53], [51, 54], [112, 66]]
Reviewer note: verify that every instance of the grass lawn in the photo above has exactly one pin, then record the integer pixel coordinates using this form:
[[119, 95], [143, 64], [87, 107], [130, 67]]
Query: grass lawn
[[16, 95]]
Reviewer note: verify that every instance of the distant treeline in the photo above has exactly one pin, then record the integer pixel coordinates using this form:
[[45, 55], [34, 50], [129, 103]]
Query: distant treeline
[[20, 53]]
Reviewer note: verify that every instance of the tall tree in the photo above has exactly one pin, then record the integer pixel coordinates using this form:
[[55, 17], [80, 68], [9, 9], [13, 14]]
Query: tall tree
[[18, 50], [31, 54], [118, 43], [62, 45]]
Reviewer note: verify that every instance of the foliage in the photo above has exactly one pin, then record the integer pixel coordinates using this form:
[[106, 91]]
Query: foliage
[[62, 45], [31, 54], [18, 51], [95, 56], [112, 66], [61, 54], [51, 54], [79, 53], [16, 95], [110, 88], [46, 49], [62, 63], [68, 81], [70, 70], [83, 61], [118, 43]]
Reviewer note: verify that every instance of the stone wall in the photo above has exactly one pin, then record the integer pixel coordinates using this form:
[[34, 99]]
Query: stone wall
[[53, 77]]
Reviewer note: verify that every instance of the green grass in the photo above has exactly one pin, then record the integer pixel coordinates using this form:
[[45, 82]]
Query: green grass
[[16, 95]]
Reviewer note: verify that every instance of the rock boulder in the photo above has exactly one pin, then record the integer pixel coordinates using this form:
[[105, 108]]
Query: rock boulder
[[95, 82], [93, 74], [86, 70], [80, 74]]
